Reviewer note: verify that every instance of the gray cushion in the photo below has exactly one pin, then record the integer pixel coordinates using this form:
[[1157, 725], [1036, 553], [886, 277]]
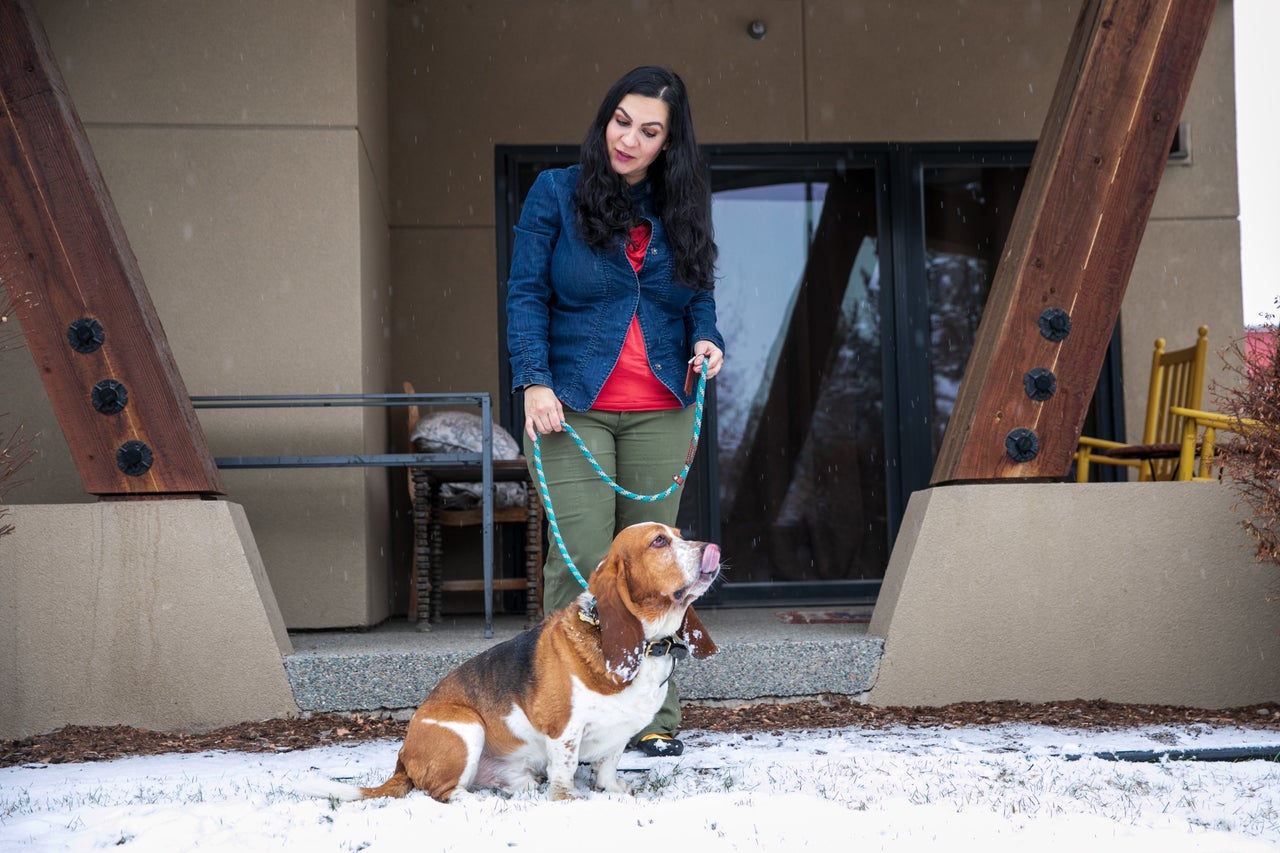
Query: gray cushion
[[461, 432]]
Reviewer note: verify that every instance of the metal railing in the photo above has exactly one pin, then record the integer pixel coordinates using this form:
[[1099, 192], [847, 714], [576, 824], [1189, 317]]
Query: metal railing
[[445, 465]]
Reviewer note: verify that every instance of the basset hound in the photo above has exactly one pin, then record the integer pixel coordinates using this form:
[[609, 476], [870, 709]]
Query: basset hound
[[574, 689]]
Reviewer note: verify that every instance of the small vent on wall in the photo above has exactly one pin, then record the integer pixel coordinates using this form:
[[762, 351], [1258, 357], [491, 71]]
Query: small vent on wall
[[1180, 150]]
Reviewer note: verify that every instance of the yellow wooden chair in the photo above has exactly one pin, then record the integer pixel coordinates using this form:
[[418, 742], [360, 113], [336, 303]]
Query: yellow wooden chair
[[1177, 381], [1203, 445]]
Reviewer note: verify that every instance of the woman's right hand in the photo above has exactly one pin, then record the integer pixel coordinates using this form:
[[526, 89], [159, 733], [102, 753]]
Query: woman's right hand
[[542, 411]]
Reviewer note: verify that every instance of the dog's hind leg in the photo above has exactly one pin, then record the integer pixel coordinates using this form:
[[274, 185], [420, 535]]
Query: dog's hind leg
[[441, 756]]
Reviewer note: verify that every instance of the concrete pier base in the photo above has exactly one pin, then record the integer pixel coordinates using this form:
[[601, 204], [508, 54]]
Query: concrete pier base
[[1129, 592], [154, 614]]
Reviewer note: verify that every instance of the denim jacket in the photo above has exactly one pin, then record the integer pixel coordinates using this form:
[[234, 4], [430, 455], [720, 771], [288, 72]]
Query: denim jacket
[[569, 306]]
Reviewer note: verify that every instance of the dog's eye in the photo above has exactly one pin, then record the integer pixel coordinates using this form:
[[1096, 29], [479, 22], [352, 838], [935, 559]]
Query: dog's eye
[[659, 542]]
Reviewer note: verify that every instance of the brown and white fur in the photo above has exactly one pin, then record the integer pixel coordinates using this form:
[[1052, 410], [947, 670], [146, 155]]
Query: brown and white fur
[[567, 691]]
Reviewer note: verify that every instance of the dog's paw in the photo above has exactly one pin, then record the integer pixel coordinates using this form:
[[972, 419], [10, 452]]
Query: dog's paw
[[606, 775], [561, 792], [614, 786]]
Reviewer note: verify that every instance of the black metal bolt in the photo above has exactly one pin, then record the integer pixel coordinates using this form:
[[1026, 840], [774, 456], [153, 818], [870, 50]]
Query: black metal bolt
[[1022, 445], [86, 335], [134, 458], [757, 29], [1040, 383], [110, 397], [1055, 324]]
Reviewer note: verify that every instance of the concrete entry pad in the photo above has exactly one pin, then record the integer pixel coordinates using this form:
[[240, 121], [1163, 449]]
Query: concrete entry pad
[[761, 658], [155, 614], [1128, 592]]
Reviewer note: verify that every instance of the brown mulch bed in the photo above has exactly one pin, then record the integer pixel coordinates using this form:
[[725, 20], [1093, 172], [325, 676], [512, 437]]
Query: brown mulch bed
[[102, 743]]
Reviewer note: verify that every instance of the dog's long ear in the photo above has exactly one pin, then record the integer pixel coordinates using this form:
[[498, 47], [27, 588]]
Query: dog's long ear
[[694, 635], [621, 634]]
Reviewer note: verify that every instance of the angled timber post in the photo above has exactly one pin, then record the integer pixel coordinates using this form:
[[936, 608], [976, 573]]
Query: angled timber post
[[79, 294], [1057, 291]]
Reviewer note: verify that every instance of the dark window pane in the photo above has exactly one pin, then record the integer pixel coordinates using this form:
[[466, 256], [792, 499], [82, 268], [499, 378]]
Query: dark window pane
[[800, 407]]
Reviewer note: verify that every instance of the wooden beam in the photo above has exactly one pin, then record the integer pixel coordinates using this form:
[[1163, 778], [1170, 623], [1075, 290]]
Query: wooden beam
[[1074, 239], [78, 293]]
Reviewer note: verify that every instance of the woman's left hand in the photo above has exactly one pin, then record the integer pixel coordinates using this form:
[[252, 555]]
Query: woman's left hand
[[707, 356]]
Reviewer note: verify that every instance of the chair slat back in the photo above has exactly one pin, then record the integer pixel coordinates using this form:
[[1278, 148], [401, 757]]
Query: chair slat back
[[1177, 379]]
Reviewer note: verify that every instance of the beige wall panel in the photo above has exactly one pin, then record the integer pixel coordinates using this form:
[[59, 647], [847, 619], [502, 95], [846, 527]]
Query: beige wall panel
[[1187, 274], [249, 243], [240, 62], [374, 287], [445, 332], [376, 378], [309, 525], [372, 68], [946, 70], [467, 76]]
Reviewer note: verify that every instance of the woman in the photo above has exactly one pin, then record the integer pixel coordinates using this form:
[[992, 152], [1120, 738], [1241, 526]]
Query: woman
[[609, 311]]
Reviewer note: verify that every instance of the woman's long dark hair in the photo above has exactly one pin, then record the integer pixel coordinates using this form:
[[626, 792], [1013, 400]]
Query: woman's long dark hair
[[680, 194]]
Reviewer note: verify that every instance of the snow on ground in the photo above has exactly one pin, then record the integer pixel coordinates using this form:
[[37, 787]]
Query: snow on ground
[[1010, 788]]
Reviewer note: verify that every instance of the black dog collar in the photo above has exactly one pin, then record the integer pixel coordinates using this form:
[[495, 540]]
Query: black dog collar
[[661, 647]]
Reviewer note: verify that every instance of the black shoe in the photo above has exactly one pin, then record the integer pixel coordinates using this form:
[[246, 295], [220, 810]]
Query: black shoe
[[660, 746]]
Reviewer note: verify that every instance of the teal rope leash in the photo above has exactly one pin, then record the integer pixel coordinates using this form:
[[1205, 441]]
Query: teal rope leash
[[678, 480]]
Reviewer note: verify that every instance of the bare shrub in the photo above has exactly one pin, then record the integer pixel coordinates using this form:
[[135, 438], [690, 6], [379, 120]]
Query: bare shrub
[[15, 452], [15, 446], [1251, 458]]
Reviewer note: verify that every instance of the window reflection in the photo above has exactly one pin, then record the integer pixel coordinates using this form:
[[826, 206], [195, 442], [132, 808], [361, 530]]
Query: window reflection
[[968, 212], [800, 411]]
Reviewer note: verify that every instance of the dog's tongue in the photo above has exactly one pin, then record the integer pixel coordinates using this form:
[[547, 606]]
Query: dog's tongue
[[710, 558]]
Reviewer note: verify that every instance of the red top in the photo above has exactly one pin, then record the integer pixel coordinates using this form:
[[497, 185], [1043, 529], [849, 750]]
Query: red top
[[632, 387]]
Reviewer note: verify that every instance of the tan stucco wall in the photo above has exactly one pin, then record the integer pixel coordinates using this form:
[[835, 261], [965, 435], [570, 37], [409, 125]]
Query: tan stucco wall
[[1129, 592], [155, 614], [514, 72], [244, 146], [309, 189]]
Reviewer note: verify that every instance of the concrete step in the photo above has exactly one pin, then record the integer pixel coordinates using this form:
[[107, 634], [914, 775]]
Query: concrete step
[[762, 655]]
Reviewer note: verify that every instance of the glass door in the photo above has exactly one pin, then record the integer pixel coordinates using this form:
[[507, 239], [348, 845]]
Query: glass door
[[851, 282], [800, 428]]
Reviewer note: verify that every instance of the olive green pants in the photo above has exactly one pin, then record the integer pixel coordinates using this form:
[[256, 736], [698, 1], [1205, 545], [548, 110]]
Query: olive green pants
[[641, 451]]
